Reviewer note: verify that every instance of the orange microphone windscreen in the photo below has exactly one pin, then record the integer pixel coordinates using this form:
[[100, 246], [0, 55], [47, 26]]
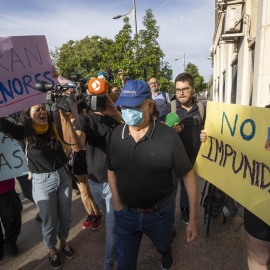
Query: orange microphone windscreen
[[97, 86]]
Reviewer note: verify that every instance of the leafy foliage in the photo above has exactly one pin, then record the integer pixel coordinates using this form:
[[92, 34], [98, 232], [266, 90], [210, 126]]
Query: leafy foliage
[[132, 54], [198, 79], [83, 56]]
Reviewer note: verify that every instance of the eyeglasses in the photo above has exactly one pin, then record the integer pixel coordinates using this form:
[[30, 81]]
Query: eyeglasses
[[184, 90], [153, 83]]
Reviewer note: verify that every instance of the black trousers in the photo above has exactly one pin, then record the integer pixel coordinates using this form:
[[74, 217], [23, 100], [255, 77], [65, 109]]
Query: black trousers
[[10, 214], [26, 187]]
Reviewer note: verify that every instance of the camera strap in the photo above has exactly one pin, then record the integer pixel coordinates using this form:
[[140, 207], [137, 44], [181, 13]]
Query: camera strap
[[45, 146]]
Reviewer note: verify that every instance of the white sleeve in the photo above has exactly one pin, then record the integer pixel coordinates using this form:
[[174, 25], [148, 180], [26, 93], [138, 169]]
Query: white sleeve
[[168, 98]]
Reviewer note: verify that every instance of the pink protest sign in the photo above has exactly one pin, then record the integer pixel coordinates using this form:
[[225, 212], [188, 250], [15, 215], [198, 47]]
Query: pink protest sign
[[23, 62]]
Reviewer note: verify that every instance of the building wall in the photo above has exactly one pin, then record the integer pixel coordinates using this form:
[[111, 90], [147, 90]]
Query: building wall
[[247, 56]]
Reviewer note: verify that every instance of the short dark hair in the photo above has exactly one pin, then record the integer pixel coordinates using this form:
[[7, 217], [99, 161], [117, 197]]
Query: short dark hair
[[185, 77], [113, 86]]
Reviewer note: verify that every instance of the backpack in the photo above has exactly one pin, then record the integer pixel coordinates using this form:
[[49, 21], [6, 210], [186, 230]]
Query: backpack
[[231, 207], [201, 108], [214, 202], [165, 98]]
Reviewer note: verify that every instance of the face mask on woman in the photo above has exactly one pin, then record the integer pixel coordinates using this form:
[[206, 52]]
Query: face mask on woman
[[132, 116]]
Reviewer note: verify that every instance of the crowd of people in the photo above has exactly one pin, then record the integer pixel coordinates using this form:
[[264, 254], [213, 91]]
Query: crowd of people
[[125, 175]]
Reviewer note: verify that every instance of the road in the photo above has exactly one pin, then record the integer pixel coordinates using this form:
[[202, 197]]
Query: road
[[224, 249]]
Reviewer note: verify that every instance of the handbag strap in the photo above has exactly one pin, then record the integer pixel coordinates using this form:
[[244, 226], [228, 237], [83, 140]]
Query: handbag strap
[[57, 159]]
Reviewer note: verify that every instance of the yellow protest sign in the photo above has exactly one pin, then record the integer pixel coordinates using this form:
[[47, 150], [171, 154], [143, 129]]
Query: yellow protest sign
[[236, 156]]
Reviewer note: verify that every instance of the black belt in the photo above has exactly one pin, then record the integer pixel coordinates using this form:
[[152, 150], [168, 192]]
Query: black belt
[[164, 202]]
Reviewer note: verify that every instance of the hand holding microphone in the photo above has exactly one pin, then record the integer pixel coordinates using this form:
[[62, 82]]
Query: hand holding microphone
[[173, 120]]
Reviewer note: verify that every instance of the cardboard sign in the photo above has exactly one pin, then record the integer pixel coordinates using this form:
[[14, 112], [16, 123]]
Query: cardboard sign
[[12, 158], [236, 156], [23, 62]]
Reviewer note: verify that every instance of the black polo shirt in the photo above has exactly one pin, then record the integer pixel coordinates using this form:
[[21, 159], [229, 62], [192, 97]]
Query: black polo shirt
[[192, 121], [96, 128], [144, 169]]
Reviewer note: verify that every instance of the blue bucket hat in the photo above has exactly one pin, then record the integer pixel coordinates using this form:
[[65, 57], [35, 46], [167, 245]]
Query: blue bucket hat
[[133, 93]]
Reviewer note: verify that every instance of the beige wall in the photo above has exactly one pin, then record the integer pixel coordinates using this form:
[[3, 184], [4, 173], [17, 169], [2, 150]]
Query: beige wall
[[256, 32]]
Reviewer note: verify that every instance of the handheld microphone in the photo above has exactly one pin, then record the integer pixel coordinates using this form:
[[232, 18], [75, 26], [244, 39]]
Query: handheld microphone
[[172, 119], [97, 86], [97, 100]]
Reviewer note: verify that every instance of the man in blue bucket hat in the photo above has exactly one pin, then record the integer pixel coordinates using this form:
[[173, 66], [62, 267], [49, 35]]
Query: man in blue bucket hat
[[141, 156]]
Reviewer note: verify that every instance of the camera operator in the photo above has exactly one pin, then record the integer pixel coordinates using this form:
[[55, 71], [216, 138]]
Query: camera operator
[[92, 134]]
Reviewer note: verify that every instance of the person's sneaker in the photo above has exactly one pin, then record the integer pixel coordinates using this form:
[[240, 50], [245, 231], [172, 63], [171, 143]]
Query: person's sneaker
[[88, 221], [68, 251], [185, 215], [54, 261], [12, 250], [97, 223], [167, 262]]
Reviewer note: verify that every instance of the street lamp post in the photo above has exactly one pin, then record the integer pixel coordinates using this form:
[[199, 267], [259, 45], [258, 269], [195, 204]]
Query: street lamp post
[[131, 14], [183, 60]]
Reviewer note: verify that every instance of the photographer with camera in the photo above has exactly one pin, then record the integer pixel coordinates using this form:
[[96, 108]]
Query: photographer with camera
[[92, 134]]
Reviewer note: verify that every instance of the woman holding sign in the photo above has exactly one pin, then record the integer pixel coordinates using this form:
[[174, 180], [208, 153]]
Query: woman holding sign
[[52, 185]]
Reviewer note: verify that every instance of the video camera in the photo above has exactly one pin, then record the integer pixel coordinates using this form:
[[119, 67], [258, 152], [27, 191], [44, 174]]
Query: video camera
[[97, 99], [56, 97], [109, 74]]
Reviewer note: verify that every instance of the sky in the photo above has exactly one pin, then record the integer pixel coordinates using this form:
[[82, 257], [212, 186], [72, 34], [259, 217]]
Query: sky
[[186, 26]]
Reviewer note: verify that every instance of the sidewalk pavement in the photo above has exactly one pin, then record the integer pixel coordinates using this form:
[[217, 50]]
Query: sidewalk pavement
[[224, 249]]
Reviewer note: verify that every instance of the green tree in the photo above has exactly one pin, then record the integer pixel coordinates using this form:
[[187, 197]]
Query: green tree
[[84, 56], [198, 79], [121, 53], [150, 54], [142, 51], [132, 54]]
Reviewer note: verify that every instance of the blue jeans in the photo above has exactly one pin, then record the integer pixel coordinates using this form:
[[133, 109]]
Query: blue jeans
[[52, 194], [130, 225], [103, 197]]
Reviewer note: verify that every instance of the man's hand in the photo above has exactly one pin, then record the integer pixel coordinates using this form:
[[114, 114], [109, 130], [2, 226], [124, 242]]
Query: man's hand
[[117, 206], [55, 73], [65, 115], [121, 74], [111, 110], [177, 128], [193, 230], [203, 135]]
